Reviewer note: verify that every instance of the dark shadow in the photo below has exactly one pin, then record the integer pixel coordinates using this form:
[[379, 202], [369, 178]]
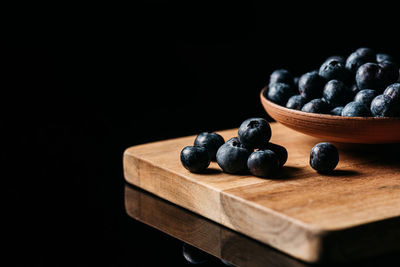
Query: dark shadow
[[287, 173], [341, 173], [211, 171]]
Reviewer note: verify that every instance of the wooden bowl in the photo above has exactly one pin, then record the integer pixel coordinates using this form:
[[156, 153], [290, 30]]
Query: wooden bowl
[[362, 130]]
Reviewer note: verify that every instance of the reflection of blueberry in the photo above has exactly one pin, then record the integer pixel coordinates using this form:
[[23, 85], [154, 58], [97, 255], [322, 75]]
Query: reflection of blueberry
[[311, 85], [195, 158], [281, 76], [280, 151], [384, 106], [369, 76], [194, 255], [332, 69], [296, 102], [336, 93], [317, 106], [390, 73], [263, 163], [356, 109], [324, 157], [337, 111], [393, 91], [279, 93], [226, 263], [365, 96], [211, 141], [254, 132], [232, 156], [380, 57]]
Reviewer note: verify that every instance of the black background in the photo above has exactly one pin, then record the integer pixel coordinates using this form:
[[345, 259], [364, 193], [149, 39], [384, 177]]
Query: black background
[[82, 83]]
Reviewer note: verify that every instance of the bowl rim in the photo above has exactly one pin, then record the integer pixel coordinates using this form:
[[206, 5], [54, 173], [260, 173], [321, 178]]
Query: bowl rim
[[321, 116]]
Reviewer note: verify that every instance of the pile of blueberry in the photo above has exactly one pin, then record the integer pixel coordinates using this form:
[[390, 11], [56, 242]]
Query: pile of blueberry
[[249, 151], [364, 84]]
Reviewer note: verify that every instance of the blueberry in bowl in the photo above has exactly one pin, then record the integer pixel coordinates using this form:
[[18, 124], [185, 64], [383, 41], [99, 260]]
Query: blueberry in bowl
[[317, 105], [336, 93], [334, 127], [354, 99], [393, 91], [279, 93], [281, 76], [311, 85], [296, 102], [333, 69], [385, 106], [356, 109], [365, 96]]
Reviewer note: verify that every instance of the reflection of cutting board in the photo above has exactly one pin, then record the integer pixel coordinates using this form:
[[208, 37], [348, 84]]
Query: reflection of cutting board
[[350, 214]]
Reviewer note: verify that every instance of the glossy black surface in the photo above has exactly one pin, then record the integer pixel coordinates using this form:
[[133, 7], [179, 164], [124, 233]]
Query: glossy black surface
[[80, 83]]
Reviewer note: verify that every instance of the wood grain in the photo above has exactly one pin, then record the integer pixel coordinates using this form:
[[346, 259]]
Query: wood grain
[[204, 234], [364, 130], [300, 212]]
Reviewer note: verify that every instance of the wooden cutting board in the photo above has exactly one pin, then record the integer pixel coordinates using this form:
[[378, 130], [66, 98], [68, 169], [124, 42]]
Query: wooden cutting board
[[351, 214]]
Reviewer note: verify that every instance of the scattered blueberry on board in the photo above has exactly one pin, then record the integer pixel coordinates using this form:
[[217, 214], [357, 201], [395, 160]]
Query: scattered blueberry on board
[[252, 152], [361, 77], [254, 132], [324, 157], [232, 156], [211, 141], [249, 152], [263, 163], [195, 158]]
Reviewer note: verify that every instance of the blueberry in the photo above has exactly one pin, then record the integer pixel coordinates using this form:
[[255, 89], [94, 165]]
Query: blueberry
[[280, 151], [365, 96], [336, 93], [211, 141], [366, 52], [393, 91], [333, 69], [281, 76], [384, 106], [341, 59], [263, 163], [358, 58], [337, 111], [324, 157], [390, 73], [381, 57], [356, 109], [316, 106], [232, 156], [195, 158], [194, 255], [279, 93], [311, 85], [254, 132], [296, 102], [369, 76]]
